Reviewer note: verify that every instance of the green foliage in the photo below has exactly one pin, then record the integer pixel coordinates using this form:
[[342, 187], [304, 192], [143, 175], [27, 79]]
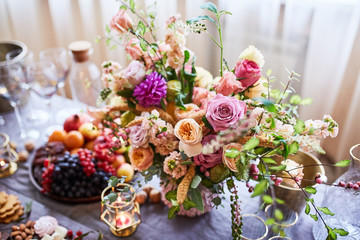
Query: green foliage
[[199, 18], [341, 231], [277, 168], [196, 181], [299, 126], [278, 215], [267, 199], [260, 187], [186, 56], [126, 93], [179, 101], [209, 6], [307, 209], [232, 153], [171, 195], [206, 123], [343, 163], [140, 29], [132, 5], [216, 201], [269, 160], [326, 211], [196, 198], [218, 173], [268, 105], [113, 181], [188, 204], [172, 211], [293, 148], [251, 144], [105, 93], [310, 190], [313, 216], [127, 117], [187, 162]]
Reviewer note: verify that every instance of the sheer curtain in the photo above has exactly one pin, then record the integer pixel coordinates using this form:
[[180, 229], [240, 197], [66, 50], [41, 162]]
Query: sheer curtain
[[320, 39]]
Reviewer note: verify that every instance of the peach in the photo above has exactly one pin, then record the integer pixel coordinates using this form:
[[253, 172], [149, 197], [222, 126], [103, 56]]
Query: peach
[[125, 170], [74, 139], [119, 160], [89, 131]]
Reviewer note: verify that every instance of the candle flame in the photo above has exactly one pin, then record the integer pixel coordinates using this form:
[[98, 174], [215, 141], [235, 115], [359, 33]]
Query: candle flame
[[2, 162]]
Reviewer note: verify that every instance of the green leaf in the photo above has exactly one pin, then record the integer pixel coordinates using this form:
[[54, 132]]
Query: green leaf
[[343, 163], [260, 188], [299, 126], [143, 45], [313, 216], [293, 148], [209, 6], [132, 5], [183, 156], [171, 195], [113, 182], [199, 18], [112, 196], [196, 181], [341, 231], [141, 28], [206, 123], [196, 198], [216, 201], [267, 199], [310, 190], [174, 202], [131, 104], [270, 221], [251, 144], [331, 234], [82, 236], [269, 160], [179, 101], [306, 101], [28, 207], [277, 168], [232, 153], [326, 211], [188, 204], [126, 93], [172, 211], [280, 201], [187, 56], [309, 200], [295, 99], [187, 163], [307, 209], [269, 105], [100, 236], [230, 183], [123, 7], [278, 214]]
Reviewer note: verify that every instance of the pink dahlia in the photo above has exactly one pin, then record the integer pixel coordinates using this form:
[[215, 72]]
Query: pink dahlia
[[150, 91]]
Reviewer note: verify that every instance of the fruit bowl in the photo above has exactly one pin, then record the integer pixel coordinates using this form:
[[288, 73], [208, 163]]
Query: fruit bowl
[[69, 180]]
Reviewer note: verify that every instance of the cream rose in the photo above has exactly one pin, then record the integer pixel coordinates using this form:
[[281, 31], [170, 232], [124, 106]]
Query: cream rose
[[190, 134], [141, 158], [257, 89], [182, 114], [231, 162]]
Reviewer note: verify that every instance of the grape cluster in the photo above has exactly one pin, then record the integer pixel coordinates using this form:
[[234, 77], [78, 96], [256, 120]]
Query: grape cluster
[[86, 161], [70, 179]]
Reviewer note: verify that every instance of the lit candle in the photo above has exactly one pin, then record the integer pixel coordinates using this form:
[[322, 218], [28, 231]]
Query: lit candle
[[123, 220], [4, 164]]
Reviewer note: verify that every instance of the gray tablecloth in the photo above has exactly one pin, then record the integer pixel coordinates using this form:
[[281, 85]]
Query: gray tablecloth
[[155, 225]]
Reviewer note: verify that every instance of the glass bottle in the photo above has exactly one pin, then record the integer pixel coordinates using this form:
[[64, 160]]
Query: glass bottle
[[84, 76], [344, 202]]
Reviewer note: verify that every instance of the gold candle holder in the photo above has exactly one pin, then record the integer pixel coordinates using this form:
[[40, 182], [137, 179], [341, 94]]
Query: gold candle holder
[[122, 215], [8, 157]]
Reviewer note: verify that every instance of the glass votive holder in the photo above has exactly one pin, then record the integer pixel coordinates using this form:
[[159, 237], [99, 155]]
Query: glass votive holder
[[279, 238], [123, 214], [8, 157], [253, 228], [284, 218]]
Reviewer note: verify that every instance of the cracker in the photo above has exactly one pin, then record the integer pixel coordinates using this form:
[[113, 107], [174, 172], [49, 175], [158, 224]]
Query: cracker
[[11, 211], [13, 217], [3, 198], [11, 201]]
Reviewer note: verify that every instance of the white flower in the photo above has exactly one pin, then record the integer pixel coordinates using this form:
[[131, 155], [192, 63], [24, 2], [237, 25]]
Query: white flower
[[253, 54]]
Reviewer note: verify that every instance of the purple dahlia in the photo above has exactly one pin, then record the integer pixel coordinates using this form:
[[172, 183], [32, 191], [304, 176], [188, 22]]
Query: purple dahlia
[[151, 90]]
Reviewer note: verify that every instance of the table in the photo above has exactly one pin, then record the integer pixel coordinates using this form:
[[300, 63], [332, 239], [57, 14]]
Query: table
[[155, 225]]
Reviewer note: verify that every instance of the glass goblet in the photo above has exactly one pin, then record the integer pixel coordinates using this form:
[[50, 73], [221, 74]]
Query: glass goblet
[[254, 228], [44, 82]]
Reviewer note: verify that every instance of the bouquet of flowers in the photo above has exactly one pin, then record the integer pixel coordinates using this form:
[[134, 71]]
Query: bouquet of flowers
[[200, 134]]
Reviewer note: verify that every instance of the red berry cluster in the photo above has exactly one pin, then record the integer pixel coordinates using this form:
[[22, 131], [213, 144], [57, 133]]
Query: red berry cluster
[[70, 234], [352, 185], [103, 149], [254, 172], [47, 176], [85, 157], [106, 167]]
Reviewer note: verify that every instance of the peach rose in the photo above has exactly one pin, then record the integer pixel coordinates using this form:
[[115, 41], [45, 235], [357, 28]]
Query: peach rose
[[141, 158], [231, 162], [133, 48], [121, 22], [228, 84], [182, 114], [190, 134], [257, 90]]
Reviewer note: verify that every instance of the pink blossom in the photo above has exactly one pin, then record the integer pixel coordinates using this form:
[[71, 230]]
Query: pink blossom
[[202, 96], [248, 70], [121, 22], [139, 134], [135, 72], [164, 141], [173, 167], [182, 114], [227, 85], [133, 48]]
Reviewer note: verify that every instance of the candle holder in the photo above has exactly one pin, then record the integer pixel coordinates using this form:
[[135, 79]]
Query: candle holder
[[8, 157], [123, 214]]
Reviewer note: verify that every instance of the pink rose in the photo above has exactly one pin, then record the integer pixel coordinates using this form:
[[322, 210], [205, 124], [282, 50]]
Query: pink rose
[[133, 48], [135, 72], [121, 22], [228, 84], [223, 112], [139, 135], [201, 97], [248, 70], [208, 160], [141, 158]]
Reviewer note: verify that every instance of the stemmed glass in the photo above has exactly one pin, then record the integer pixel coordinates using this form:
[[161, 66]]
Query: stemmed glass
[[35, 117], [43, 80], [60, 59], [12, 88]]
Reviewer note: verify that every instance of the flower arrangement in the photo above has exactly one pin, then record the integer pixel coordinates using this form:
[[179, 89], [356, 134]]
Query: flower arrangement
[[199, 133]]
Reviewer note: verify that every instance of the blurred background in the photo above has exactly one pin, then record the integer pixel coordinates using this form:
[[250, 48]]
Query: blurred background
[[319, 39]]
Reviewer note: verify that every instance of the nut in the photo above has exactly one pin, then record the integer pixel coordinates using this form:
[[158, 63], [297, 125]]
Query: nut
[[22, 227], [147, 188], [32, 224], [18, 237], [13, 145], [23, 156], [141, 197], [23, 235], [28, 224], [29, 237], [27, 231], [29, 145], [15, 228], [155, 196], [13, 234]]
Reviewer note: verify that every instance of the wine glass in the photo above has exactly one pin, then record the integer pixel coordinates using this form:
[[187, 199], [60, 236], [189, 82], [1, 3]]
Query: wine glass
[[43, 80], [59, 57], [12, 88], [35, 117]]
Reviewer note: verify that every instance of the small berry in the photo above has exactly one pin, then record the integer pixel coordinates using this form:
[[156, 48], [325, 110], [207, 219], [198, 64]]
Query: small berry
[[207, 174], [127, 130], [318, 180], [255, 177], [272, 177], [79, 233], [248, 185], [349, 185], [278, 181], [251, 189], [355, 186], [70, 233], [342, 184], [358, 183], [296, 179]]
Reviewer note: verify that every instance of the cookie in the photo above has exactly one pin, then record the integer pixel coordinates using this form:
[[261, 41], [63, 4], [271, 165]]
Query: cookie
[[11, 201], [13, 217], [11, 211], [3, 198]]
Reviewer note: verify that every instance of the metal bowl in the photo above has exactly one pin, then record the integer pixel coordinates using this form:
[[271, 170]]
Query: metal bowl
[[5, 47]]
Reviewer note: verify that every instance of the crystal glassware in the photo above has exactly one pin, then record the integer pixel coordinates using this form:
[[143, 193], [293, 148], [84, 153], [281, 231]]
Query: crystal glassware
[[343, 202], [44, 82], [8, 157], [254, 228], [284, 218]]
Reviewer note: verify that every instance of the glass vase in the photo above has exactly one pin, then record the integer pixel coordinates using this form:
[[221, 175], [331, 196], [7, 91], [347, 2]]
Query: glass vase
[[343, 202]]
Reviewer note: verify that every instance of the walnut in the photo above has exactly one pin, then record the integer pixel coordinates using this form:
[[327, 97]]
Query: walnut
[[29, 145], [155, 196], [147, 188], [23, 156]]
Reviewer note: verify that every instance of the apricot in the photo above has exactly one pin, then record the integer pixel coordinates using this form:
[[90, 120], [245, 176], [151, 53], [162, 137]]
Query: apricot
[[74, 139], [58, 136]]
